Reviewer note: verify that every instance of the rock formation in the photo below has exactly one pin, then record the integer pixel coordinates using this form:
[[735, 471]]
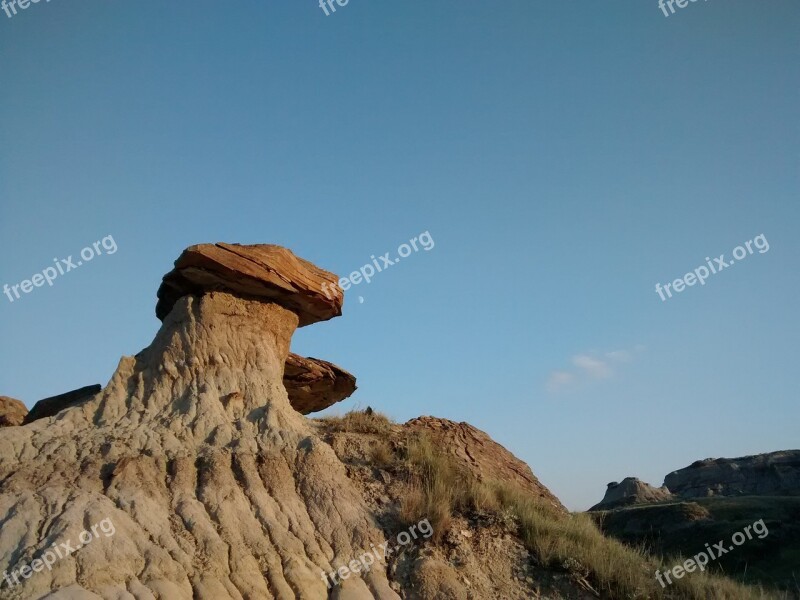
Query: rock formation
[[773, 474], [263, 272], [12, 412], [314, 384], [51, 406], [217, 489], [190, 475], [484, 457], [631, 491]]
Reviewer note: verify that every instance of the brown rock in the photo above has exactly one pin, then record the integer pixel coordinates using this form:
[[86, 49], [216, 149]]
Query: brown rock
[[314, 384], [55, 404], [484, 457], [12, 412], [631, 491], [258, 272]]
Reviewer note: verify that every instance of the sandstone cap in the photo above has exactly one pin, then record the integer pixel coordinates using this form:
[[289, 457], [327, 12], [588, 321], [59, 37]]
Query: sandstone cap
[[314, 384], [260, 272]]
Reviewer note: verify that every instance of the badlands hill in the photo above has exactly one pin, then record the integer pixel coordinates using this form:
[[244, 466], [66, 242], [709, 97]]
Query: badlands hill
[[710, 500], [771, 474], [194, 474]]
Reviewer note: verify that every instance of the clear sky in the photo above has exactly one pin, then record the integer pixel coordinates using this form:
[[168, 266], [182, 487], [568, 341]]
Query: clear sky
[[564, 156]]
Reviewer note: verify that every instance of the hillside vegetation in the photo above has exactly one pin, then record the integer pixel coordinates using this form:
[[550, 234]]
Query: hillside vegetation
[[436, 487]]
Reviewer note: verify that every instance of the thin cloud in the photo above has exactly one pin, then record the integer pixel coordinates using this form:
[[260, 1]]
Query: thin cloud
[[558, 380], [590, 366], [619, 356], [593, 367]]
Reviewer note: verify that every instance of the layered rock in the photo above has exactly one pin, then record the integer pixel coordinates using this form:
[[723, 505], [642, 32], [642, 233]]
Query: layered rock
[[313, 384], [481, 455], [217, 489], [51, 406], [772, 474], [262, 271], [12, 412], [631, 491]]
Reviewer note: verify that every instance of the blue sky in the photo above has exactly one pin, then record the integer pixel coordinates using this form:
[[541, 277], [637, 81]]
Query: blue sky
[[564, 156]]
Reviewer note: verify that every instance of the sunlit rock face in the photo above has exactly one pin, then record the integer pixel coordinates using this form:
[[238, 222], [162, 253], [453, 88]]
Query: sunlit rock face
[[216, 487]]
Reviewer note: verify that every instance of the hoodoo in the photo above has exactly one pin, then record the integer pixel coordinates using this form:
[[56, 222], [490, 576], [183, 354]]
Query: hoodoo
[[216, 487]]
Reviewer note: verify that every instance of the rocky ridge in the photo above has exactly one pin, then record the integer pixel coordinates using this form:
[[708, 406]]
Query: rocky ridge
[[772, 474]]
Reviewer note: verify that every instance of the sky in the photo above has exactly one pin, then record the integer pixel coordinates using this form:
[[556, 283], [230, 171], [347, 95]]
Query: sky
[[562, 157]]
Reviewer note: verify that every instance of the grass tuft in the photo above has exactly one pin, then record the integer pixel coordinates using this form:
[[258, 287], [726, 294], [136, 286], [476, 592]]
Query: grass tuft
[[360, 421], [381, 454]]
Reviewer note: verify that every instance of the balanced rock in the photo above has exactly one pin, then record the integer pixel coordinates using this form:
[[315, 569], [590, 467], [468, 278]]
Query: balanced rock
[[258, 272], [313, 384], [12, 412], [631, 491], [216, 487], [55, 404], [772, 474], [483, 457]]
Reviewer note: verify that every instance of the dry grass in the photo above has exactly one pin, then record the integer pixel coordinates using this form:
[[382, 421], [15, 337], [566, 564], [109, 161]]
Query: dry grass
[[437, 490], [612, 567], [381, 454], [360, 421]]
